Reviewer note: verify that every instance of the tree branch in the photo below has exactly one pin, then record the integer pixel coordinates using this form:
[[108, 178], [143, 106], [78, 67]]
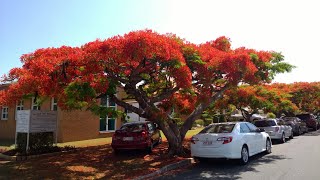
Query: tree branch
[[199, 109], [128, 106], [164, 95]]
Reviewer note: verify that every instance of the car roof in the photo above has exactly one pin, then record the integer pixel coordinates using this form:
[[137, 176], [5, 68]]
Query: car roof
[[136, 122], [225, 123]]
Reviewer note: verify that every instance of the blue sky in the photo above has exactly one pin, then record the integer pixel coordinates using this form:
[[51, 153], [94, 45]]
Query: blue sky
[[286, 26]]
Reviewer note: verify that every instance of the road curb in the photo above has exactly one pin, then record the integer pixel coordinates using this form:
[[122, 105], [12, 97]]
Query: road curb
[[166, 168]]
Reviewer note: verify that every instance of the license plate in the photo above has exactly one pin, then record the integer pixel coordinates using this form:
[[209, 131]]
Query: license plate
[[127, 138], [206, 143]]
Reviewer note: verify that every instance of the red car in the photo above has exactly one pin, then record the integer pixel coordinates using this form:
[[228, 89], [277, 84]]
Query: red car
[[309, 119], [136, 135]]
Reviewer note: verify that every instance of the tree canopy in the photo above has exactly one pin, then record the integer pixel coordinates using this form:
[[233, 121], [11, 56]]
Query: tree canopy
[[158, 70]]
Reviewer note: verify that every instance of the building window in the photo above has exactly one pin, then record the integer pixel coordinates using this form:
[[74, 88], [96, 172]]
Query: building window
[[4, 113], [19, 107], [35, 105], [107, 123], [54, 104]]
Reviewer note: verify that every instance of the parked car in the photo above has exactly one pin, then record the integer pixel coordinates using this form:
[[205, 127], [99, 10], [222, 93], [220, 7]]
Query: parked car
[[230, 140], [318, 119], [136, 135], [276, 128], [299, 127], [309, 119]]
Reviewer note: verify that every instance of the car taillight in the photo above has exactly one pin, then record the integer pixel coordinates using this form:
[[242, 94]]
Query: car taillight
[[144, 134], [116, 137], [194, 140], [277, 129], [225, 140]]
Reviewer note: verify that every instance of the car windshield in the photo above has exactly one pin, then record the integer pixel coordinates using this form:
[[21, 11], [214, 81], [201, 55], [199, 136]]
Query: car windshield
[[265, 123], [289, 118], [218, 128], [303, 116], [133, 127]]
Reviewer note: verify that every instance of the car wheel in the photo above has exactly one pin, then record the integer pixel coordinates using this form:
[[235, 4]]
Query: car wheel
[[150, 148], [116, 151], [244, 155], [201, 160], [299, 131], [291, 136], [283, 138], [268, 146]]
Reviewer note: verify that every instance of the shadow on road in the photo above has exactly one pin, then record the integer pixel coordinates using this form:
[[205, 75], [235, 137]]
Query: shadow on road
[[312, 133], [224, 169]]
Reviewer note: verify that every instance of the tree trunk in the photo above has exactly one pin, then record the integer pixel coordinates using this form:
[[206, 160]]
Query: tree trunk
[[175, 146], [175, 140]]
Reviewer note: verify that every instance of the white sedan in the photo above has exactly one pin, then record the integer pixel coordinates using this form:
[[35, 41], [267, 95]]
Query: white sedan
[[232, 140]]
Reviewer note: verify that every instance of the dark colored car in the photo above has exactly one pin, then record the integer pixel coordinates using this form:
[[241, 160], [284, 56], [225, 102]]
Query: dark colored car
[[309, 119], [299, 127], [136, 135]]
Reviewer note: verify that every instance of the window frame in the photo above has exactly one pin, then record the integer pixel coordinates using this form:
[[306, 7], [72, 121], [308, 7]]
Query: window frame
[[19, 107], [107, 119], [4, 113], [54, 104], [33, 104]]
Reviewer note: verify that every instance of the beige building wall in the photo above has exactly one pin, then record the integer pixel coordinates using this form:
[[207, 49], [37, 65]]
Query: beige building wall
[[71, 125]]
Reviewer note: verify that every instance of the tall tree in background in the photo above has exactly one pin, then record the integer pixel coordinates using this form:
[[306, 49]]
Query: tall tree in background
[[250, 99], [151, 68], [305, 95]]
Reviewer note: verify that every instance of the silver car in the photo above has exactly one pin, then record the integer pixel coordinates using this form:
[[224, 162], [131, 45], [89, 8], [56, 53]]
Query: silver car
[[276, 128]]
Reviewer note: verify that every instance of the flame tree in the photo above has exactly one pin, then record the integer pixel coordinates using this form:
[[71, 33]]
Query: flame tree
[[151, 68]]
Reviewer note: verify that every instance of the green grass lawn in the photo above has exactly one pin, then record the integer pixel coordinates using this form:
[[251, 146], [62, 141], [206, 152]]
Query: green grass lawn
[[103, 141], [6, 145], [92, 142]]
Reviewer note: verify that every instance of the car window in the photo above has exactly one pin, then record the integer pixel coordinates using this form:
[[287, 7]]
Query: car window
[[303, 116], [252, 127], [244, 128], [150, 127], [133, 127], [218, 128], [265, 123]]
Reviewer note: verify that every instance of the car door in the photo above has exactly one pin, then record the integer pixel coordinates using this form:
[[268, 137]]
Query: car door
[[247, 137], [287, 128], [257, 137]]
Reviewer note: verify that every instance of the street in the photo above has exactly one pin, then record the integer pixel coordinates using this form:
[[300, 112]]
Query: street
[[297, 159]]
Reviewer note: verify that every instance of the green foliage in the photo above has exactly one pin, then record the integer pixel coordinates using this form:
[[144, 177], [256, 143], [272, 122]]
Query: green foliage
[[198, 122], [37, 141], [104, 111], [278, 66], [179, 121], [207, 121], [271, 115], [78, 94]]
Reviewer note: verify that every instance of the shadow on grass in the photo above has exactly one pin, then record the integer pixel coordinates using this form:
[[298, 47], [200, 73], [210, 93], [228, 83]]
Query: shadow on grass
[[89, 163], [6, 143]]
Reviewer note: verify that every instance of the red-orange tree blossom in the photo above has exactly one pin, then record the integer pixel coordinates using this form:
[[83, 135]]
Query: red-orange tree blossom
[[151, 68]]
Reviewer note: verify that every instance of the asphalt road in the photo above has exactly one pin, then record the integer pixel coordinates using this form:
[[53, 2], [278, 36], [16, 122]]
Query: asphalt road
[[297, 159]]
